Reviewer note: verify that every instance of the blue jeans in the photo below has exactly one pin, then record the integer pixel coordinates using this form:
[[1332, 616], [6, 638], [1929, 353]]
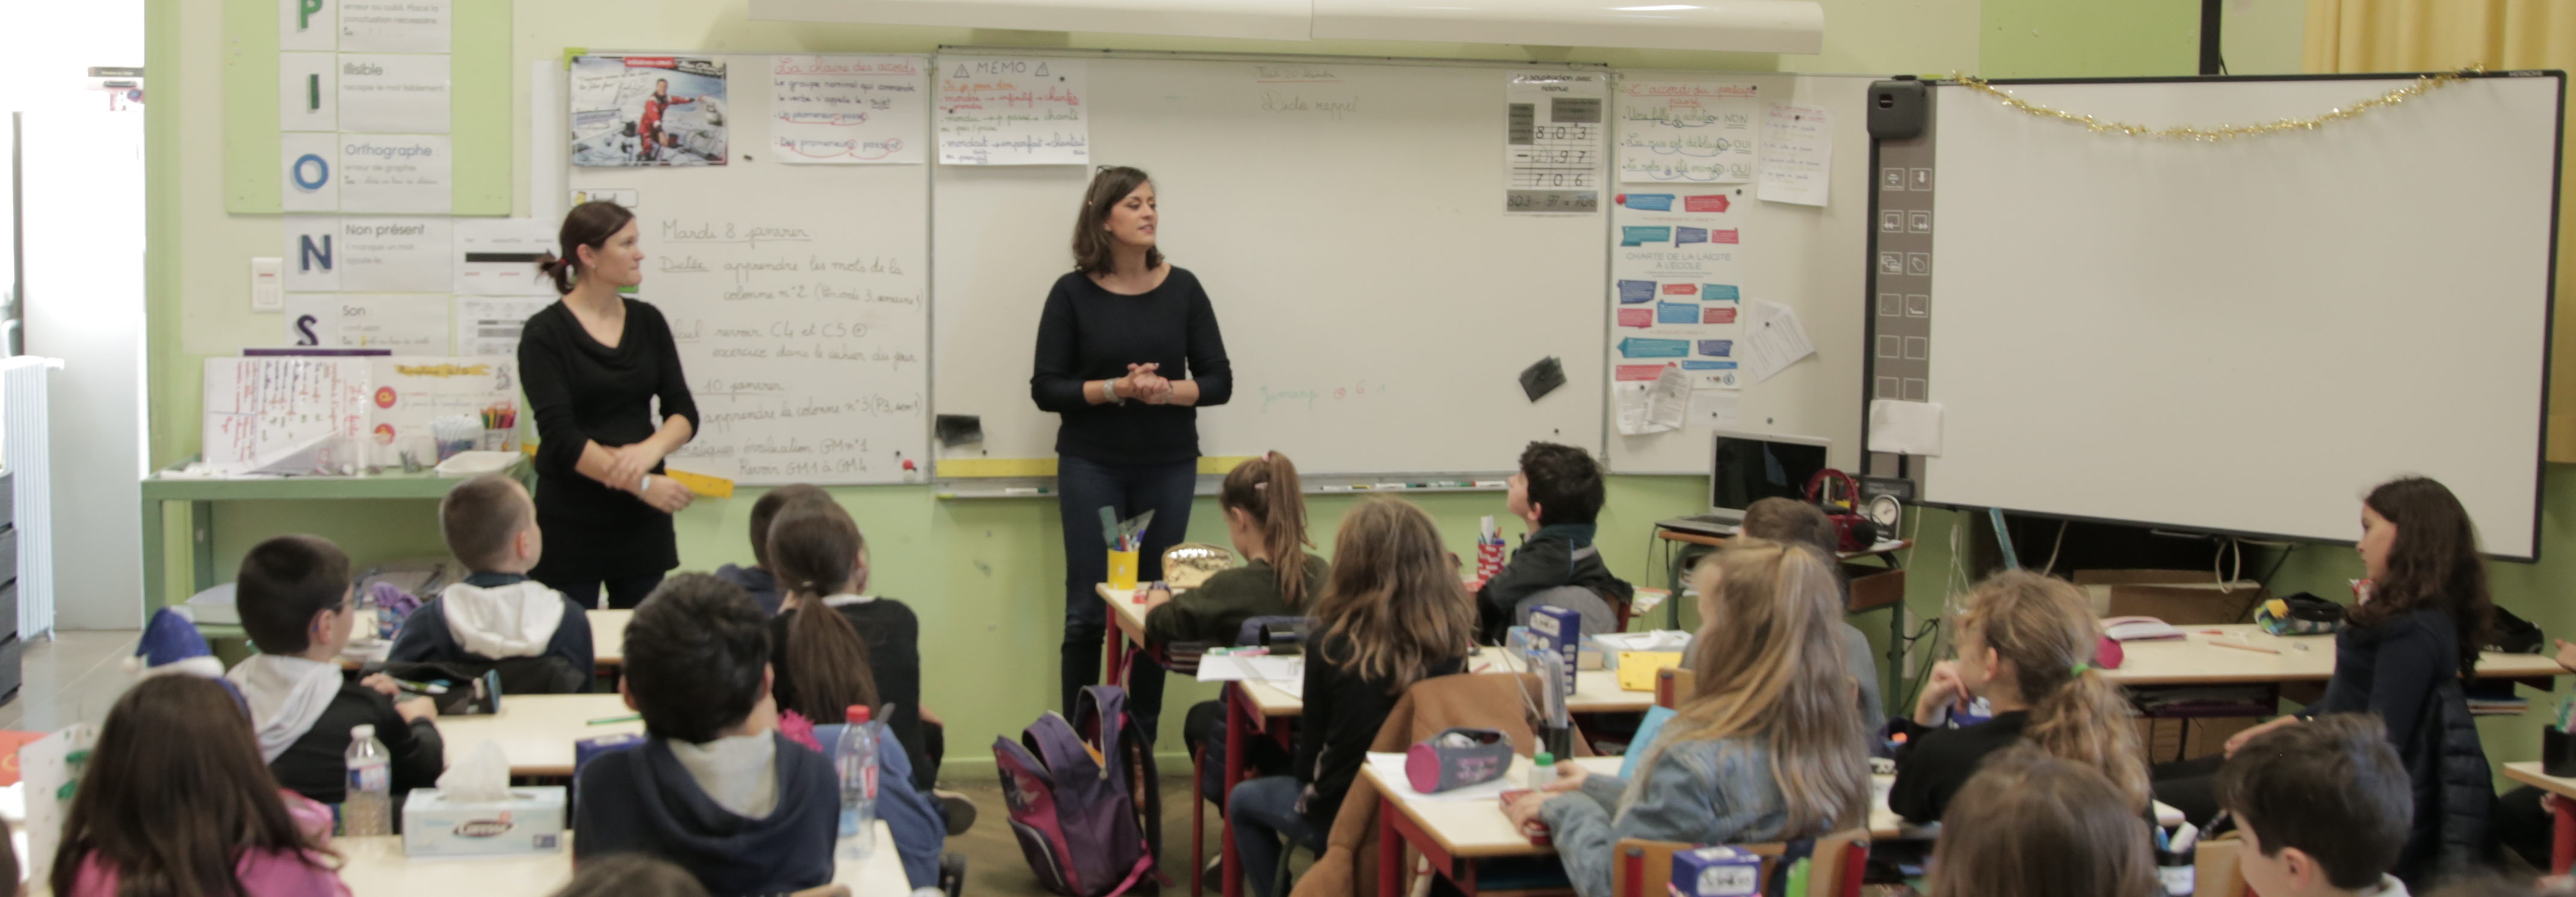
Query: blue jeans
[[1263, 811], [1084, 487]]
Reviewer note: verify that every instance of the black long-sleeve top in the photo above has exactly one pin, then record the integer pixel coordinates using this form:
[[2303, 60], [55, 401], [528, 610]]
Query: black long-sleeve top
[[1936, 762], [316, 765], [893, 636], [1088, 334], [582, 392], [2391, 670], [1343, 713]]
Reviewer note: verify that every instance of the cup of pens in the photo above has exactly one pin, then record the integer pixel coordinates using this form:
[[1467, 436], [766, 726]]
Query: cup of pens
[[2557, 749], [1126, 545], [500, 427]]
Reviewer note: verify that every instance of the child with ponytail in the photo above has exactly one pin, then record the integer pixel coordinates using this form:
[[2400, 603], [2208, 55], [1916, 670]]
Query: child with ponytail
[[834, 647], [1265, 516], [2026, 645]]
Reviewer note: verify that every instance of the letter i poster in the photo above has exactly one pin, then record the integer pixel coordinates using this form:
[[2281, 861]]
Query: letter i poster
[[1676, 288]]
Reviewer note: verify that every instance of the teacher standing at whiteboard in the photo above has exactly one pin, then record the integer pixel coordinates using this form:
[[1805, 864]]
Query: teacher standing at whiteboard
[[594, 365], [1128, 347]]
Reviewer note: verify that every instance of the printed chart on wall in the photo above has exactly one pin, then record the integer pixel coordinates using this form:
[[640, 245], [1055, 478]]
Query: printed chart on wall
[[796, 275], [363, 103], [648, 111], [1552, 149]]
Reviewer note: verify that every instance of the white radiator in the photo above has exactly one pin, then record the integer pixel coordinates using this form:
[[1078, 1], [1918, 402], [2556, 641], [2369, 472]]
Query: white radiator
[[25, 450]]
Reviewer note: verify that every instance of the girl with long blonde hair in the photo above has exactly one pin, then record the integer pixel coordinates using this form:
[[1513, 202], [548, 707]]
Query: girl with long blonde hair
[[1392, 614], [1771, 746], [2026, 644]]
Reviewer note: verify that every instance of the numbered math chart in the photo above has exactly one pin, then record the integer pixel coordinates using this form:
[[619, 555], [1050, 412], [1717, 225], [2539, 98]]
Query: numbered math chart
[[1553, 147]]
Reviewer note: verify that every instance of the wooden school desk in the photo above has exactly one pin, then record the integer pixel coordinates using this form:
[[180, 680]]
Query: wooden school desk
[[1869, 590], [1456, 836], [537, 731], [2193, 660], [2562, 838], [1252, 706], [376, 867]]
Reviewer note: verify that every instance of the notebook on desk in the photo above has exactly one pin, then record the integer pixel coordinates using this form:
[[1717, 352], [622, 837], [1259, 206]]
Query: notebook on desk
[[1745, 468]]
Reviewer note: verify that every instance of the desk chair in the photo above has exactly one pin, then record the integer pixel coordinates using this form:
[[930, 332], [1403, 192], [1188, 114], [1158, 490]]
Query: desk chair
[[1673, 685], [1645, 868]]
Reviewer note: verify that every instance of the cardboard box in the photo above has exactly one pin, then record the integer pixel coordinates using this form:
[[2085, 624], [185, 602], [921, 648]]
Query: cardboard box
[[1716, 872], [2214, 872], [1558, 631], [2164, 739], [2179, 597], [531, 821]]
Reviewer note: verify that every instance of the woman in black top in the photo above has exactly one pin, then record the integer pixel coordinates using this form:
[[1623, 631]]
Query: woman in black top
[[1127, 348], [2417, 627], [594, 366]]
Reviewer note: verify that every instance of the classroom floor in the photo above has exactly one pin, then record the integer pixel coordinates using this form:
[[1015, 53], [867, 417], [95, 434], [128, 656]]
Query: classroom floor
[[994, 864], [72, 677]]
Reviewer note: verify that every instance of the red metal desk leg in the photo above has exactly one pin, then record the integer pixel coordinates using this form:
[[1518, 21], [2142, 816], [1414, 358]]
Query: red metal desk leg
[[1198, 820], [1390, 850], [1238, 727], [2562, 842]]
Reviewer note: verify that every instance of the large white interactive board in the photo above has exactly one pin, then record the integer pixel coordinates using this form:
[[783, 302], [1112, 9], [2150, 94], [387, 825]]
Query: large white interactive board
[[2244, 335]]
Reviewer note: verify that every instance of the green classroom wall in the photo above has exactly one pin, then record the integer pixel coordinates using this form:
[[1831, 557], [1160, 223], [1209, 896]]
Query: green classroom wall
[[986, 575]]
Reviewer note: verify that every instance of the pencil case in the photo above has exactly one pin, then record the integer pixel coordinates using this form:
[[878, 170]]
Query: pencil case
[[1457, 758]]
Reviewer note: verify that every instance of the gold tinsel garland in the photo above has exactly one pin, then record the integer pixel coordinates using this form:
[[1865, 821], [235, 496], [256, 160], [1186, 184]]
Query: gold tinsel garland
[[2422, 85]]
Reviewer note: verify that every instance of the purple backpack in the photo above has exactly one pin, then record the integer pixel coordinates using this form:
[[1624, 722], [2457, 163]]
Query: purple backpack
[[1089, 830]]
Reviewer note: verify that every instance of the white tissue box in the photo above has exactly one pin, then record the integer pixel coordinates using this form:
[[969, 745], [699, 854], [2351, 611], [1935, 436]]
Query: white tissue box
[[531, 821]]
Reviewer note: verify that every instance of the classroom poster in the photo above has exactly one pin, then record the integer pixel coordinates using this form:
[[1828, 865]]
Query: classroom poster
[[1552, 145], [394, 26], [647, 111], [848, 110], [392, 93], [1797, 154], [407, 323], [1014, 111], [1676, 287], [1683, 132]]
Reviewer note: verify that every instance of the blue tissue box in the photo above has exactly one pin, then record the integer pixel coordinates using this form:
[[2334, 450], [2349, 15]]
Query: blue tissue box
[[1558, 631]]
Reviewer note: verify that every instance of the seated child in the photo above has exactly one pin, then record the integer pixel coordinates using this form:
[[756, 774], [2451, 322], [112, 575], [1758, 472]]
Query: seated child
[[1557, 495], [1392, 614], [2029, 824], [1797, 522], [176, 800], [293, 594], [824, 663], [498, 617], [713, 787], [1265, 517], [757, 578], [1769, 747], [2026, 645], [820, 557], [2323, 808]]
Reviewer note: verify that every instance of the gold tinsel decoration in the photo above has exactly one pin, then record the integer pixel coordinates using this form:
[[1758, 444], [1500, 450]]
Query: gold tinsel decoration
[[2422, 85]]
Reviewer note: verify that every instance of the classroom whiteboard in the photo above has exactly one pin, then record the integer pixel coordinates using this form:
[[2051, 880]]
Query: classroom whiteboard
[[1812, 259], [1346, 219], [798, 295], [2245, 336]]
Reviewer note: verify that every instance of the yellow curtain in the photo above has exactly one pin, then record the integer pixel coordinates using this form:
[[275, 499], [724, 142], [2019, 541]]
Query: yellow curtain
[[2434, 35]]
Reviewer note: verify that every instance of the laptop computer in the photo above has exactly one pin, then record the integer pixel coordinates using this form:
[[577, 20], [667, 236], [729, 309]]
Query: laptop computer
[[1745, 468]]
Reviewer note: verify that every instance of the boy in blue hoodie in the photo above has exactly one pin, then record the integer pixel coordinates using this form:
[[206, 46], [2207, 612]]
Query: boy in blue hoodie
[[713, 788], [498, 617], [1557, 495]]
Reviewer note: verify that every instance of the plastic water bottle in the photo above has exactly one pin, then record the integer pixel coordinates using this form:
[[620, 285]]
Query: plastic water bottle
[[855, 758], [1542, 770], [368, 807]]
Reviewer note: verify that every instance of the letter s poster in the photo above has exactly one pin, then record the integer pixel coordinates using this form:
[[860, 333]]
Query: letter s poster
[[647, 111]]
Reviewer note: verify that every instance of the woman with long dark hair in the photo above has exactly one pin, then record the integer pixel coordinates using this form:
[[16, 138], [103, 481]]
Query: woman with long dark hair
[[594, 365], [1128, 349], [2412, 634]]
